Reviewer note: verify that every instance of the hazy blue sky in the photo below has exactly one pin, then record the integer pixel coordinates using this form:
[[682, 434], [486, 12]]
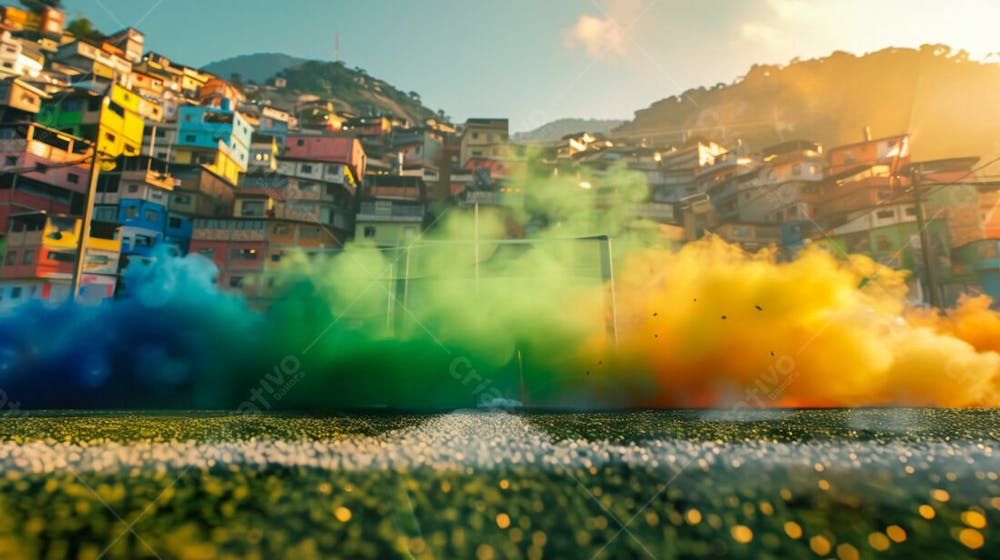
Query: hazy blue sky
[[538, 60]]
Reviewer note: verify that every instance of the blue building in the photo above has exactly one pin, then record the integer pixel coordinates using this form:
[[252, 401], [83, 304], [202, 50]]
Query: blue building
[[136, 195], [213, 129]]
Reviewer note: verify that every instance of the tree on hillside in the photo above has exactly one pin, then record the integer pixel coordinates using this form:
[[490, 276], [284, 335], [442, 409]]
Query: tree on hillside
[[82, 28]]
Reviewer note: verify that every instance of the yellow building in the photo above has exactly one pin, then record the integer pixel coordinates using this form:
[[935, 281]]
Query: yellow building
[[484, 139]]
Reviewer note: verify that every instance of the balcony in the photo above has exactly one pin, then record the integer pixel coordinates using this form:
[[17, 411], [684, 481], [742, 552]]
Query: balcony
[[390, 211], [17, 239], [149, 177], [655, 211]]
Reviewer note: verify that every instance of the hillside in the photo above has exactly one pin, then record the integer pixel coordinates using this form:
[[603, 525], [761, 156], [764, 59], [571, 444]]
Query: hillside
[[355, 90], [928, 91], [351, 89], [557, 129], [257, 68]]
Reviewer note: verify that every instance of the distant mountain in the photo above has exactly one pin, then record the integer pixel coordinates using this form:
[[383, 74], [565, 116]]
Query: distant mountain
[[557, 129], [257, 68], [945, 100]]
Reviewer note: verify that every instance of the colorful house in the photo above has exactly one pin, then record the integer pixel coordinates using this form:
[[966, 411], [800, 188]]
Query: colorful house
[[392, 210], [249, 251], [484, 138], [51, 170], [215, 136], [136, 195], [342, 149], [40, 259]]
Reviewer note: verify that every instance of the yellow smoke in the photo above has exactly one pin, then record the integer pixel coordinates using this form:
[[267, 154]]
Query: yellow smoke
[[713, 325]]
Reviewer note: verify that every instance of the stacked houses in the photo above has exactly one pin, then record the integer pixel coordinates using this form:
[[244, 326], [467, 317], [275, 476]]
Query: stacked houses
[[195, 167], [183, 162]]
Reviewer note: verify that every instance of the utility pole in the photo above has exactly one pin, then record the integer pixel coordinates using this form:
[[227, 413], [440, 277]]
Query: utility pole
[[88, 212], [476, 228], [925, 242]]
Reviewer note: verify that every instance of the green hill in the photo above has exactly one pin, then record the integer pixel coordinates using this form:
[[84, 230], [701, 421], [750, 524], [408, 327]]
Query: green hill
[[257, 68], [352, 90]]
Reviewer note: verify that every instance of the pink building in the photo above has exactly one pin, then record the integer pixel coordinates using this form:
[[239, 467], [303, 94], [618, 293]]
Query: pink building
[[345, 150]]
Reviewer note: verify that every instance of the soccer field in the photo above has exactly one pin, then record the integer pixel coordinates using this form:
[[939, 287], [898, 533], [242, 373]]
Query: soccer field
[[867, 483]]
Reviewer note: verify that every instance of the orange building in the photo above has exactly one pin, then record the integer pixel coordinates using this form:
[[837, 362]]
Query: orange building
[[248, 251], [40, 258]]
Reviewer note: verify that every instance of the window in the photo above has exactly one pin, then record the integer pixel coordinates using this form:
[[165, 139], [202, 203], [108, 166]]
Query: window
[[882, 243], [15, 292], [131, 213], [207, 252], [10, 258], [300, 142], [29, 256], [253, 208], [911, 211], [218, 118], [116, 109], [152, 215], [143, 241], [73, 178], [61, 257], [235, 281], [475, 136], [174, 223], [885, 214], [246, 254], [306, 168], [369, 232], [308, 187], [276, 257], [182, 198], [106, 214], [10, 160], [190, 138], [309, 232], [740, 232], [133, 188]]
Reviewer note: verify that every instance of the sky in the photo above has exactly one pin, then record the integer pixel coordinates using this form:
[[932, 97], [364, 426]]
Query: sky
[[534, 61]]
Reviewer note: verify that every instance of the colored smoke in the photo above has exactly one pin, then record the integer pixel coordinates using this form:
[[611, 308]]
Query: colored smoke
[[430, 327]]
